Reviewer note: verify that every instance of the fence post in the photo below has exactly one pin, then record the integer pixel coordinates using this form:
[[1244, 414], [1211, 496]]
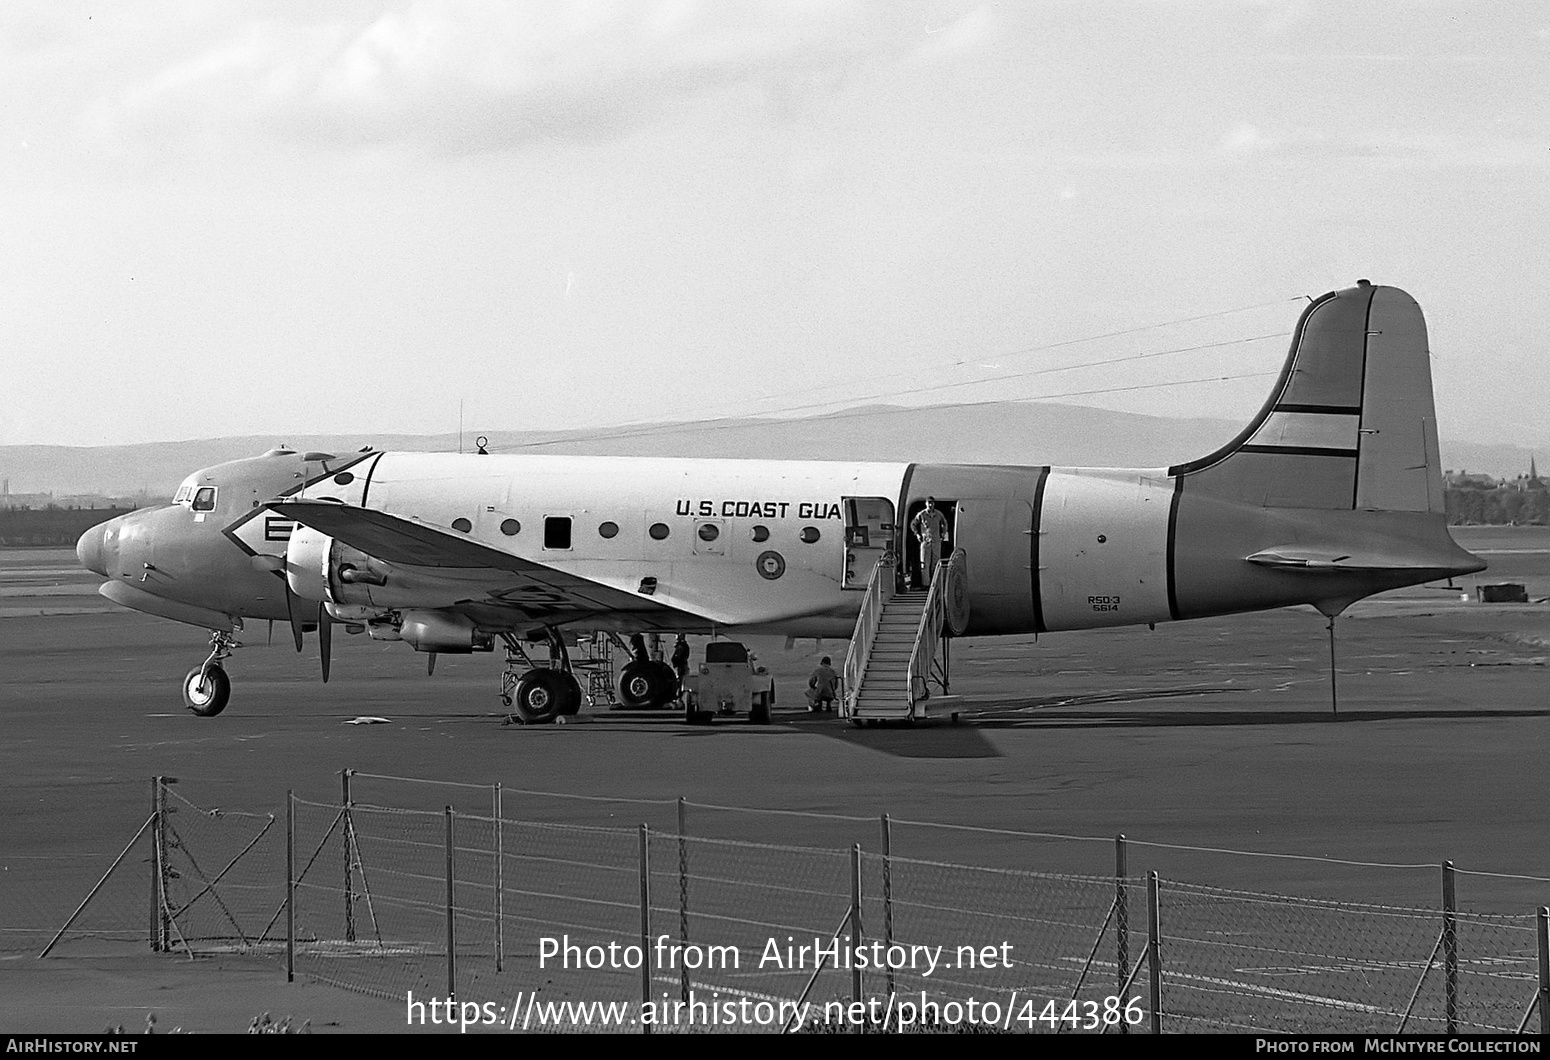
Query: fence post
[[349, 868], [888, 896], [290, 886], [855, 927], [164, 918], [1450, 947], [500, 857], [1154, 947], [1121, 919], [155, 926], [683, 900], [645, 925], [1544, 971], [451, 915]]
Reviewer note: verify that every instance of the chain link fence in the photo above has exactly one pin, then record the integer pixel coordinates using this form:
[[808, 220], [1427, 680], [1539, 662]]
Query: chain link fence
[[688, 931]]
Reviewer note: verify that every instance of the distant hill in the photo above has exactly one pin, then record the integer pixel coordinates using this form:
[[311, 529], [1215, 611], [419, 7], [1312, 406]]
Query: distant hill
[[1004, 433]]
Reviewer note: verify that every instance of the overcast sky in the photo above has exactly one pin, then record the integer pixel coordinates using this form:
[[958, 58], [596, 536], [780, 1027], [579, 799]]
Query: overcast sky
[[237, 218]]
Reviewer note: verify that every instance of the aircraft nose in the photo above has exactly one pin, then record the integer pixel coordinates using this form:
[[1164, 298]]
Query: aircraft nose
[[91, 549]]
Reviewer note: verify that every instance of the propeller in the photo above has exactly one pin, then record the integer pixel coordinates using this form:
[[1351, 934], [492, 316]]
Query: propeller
[[294, 614], [325, 638], [430, 664]]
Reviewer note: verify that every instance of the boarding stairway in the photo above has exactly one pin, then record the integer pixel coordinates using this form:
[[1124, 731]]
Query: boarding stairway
[[899, 647]]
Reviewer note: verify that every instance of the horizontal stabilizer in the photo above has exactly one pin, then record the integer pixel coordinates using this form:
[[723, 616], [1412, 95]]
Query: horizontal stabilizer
[[1316, 562]]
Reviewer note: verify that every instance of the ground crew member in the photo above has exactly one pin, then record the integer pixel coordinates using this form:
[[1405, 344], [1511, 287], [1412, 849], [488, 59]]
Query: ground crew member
[[930, 526], [681, 658], [638, 648], [822, 686]]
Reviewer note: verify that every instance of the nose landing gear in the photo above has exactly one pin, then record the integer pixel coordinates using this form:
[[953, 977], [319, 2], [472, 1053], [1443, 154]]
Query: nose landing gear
[[206, 688]]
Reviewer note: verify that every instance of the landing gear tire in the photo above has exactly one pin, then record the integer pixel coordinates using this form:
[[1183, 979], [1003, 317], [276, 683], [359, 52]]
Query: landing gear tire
[[206, 690], [647, 685], [542, 695], [760, 712], [693, 715], [572, 702], [669, 678]]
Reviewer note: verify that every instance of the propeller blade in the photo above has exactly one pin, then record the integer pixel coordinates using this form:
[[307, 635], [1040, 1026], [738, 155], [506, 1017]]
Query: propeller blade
[[430, 665], [271, 631], [325, 638], [293, 612]]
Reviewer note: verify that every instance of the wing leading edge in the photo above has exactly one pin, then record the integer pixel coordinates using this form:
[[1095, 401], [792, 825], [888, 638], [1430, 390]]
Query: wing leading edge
[[413, 542]]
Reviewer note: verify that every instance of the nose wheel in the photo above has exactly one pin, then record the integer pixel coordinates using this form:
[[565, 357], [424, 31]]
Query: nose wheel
[[206, 688]]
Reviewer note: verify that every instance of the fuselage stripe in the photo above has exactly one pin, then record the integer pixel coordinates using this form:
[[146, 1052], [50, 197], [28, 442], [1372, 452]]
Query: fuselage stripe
[[1322, 410], [1033, 551], [1173, 535], [1299, 450], [366, 486]]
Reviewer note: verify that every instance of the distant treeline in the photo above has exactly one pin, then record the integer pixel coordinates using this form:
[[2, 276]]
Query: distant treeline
[[1498, 507], [44, 527]]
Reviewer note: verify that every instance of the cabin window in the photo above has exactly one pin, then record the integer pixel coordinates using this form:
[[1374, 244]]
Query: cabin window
[[810, 535], [204, 499], [510, 527], [761, 533], [659, 531], [557, 531], [344, 478], [462, 525], [709, 531], [608, 530]]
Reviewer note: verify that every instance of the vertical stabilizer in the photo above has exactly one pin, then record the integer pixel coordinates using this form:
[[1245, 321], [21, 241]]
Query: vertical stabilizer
[[1350, 423]]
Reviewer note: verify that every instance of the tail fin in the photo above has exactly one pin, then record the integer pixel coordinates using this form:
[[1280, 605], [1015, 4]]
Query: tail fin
[[1350, 423]]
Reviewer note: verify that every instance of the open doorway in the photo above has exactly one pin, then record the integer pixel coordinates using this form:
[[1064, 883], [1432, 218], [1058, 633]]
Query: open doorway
[[868, 537], [913, 574]]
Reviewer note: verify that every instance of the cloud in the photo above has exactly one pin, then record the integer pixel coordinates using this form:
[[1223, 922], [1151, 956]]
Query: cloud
[[460, 75]]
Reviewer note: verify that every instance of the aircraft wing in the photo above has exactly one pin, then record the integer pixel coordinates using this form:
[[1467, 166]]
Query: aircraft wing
[[413, 542]]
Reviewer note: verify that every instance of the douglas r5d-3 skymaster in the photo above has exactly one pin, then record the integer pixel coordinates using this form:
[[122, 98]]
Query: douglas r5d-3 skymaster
[[1333, 492]]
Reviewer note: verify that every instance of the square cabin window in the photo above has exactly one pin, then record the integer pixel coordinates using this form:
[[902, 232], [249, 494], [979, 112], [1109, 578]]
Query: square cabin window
[[557, 531]]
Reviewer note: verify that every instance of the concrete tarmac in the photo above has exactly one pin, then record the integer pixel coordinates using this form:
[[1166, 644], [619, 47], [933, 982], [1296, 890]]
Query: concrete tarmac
[[1202, 737]]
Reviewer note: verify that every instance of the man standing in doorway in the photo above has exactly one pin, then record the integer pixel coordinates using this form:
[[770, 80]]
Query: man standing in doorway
[[930, 527]]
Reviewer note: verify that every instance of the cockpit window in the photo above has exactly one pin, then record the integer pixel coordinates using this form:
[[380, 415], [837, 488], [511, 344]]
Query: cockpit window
[[204, 499], [183, 494]]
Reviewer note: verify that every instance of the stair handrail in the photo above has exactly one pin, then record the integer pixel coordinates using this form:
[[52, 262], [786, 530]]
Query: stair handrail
[[928, 636], [879, 590]]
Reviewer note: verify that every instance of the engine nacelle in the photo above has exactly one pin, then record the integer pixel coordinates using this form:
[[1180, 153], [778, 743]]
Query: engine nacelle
[[440, 631], [317, 567], [306, 563]]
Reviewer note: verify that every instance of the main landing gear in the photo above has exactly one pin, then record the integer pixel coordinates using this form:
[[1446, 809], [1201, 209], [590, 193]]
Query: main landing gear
[[206, 688], [537, 695], [646, 684]]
